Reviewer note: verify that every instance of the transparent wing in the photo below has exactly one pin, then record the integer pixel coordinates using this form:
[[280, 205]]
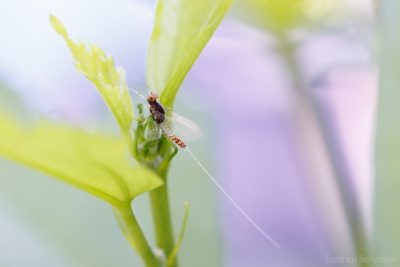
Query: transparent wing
[[153, 131], [182, 127]]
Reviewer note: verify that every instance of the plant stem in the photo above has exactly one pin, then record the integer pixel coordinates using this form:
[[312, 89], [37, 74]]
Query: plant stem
[[136, 236], [346, 191], [162, 219], [158, 197]]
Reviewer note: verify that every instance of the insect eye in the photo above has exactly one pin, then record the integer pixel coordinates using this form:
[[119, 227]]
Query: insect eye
[[151, 98], [155, 95]]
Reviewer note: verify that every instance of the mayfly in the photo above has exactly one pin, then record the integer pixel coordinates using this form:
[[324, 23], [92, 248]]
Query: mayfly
[[171, 124]]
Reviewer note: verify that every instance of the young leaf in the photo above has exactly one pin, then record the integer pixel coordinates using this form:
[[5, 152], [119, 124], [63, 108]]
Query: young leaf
[[97, 163], [172, 256], [182, 29], [100, 71]]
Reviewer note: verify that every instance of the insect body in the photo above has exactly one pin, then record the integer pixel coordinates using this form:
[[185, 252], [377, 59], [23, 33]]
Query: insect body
[[158, 114]]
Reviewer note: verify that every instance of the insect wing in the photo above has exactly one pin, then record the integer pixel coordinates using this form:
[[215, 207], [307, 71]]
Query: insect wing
[[182, 127], [153, 131]]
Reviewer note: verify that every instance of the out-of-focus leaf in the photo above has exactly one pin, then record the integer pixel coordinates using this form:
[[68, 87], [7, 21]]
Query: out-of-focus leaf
[[280, 15], [100, 71], [275, 15], [387, 181], [95, 163], [182, 29], [318, 9]]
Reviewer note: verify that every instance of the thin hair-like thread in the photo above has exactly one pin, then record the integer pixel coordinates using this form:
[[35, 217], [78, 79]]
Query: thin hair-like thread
[[141, 78], [137, 92], [245, 215]]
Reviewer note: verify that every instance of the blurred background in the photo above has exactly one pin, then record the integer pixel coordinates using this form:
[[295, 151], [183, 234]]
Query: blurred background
[[285, 94]]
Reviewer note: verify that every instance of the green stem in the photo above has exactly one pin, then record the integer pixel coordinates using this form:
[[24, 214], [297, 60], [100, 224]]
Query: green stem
[[347, 194], [149, 157], [136, 236], [162, 219]]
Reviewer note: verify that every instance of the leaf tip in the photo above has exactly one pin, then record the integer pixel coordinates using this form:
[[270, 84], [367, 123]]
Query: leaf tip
[[58, 26]]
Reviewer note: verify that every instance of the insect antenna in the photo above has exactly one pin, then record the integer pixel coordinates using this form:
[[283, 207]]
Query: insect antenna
[[137, 74], [137, 92], [140, 78]]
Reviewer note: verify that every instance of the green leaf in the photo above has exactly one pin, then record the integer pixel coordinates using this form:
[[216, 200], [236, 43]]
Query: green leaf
[[95, 163], [100, 71], [182, 29], [275, 15], [58, 27], [279, 16], [387, 148]]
